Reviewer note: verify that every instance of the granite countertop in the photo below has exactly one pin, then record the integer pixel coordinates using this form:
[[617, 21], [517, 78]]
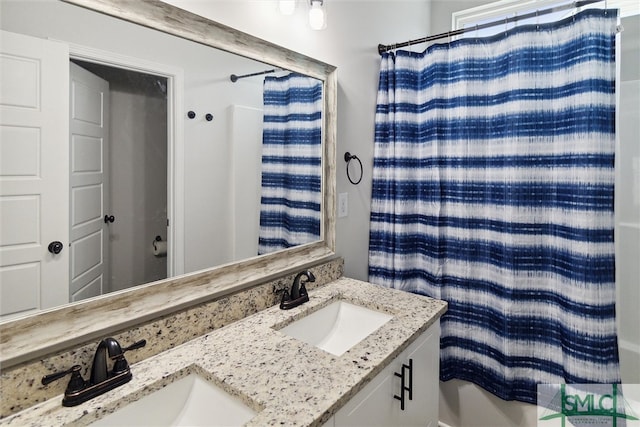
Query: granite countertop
[[286, 381]]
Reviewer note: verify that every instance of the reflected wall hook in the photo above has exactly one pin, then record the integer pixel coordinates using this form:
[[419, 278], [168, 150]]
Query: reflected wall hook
[[192, 115], [347, 158]]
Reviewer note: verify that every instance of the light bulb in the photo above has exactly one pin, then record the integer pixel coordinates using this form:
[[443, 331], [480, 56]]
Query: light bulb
[[316, 15], [287, 6]]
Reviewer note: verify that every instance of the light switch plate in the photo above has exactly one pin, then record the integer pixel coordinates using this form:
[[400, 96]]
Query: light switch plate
[[343, 205]]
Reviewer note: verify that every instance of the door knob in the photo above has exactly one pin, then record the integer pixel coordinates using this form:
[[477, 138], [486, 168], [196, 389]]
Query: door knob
[[55, 247], [109, 218]]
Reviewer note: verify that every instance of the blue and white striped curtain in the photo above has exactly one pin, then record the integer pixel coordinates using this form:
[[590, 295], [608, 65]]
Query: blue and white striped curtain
[[291, 162], [493, 190]]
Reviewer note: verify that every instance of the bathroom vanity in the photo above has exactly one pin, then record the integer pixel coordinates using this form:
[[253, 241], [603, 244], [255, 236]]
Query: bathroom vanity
[[388, 378]]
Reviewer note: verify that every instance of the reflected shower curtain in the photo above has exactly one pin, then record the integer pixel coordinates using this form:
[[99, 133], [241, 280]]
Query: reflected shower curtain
[[291, 162], [493, 190]]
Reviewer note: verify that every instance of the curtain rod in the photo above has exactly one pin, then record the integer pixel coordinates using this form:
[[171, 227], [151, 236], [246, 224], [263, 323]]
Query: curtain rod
[[576, 4], [235, 78]]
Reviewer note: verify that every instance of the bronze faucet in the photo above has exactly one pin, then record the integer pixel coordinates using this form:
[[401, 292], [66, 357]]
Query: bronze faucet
[[102, 380], [298, 294]]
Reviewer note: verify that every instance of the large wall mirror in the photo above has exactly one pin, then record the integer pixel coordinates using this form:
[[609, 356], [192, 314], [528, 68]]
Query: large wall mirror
[[182, 159]]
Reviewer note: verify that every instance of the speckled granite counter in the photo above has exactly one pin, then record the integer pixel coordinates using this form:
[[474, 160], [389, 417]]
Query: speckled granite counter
[[288, 382]]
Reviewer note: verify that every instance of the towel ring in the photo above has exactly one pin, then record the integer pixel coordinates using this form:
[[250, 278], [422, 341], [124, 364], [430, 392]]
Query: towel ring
[[347, 158]]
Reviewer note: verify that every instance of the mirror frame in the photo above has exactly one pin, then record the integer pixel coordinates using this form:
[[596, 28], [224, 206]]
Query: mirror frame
[[57, 329]]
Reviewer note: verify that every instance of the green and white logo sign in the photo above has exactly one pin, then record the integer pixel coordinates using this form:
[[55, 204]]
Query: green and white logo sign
[[592, 405]]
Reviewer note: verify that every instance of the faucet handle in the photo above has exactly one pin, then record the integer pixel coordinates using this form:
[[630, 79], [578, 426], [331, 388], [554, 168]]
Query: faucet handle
[[135, 345], [285, 297], [303, 290], [76, 383], [120, 364]]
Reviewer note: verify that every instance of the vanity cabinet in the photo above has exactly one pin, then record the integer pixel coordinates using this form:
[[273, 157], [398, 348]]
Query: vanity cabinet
[[375, 404]]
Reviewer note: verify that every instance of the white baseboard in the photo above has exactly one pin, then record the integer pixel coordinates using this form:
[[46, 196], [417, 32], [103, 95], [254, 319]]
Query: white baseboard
[[441, 424]]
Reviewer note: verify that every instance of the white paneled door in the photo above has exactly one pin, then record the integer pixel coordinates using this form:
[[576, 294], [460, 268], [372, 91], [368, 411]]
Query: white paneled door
[[90, 218], [34, 177]]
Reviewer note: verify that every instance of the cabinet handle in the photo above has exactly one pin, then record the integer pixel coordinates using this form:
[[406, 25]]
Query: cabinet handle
[[403, 387], [410, 368]]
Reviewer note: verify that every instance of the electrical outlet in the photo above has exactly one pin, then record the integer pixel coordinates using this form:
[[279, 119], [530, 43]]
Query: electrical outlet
[[343, 205]]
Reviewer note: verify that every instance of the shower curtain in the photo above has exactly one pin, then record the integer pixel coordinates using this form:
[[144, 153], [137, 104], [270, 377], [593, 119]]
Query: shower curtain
[[493, 190], [291, 162]]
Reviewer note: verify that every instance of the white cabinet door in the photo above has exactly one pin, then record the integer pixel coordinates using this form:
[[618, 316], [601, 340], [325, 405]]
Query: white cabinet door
[[422, 409], [375, 405]]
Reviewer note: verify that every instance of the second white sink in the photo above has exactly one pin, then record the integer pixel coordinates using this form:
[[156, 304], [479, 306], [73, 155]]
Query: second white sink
[[337, 327]]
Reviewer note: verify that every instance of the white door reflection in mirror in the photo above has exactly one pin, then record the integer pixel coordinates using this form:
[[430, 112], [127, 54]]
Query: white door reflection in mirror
[[33, 175], [89, 136]]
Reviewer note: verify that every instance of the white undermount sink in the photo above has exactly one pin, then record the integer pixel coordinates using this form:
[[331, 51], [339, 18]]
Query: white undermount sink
[[337, 327], [189, 401]]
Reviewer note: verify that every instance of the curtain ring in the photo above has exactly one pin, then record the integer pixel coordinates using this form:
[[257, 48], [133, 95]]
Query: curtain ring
[[347, 158]]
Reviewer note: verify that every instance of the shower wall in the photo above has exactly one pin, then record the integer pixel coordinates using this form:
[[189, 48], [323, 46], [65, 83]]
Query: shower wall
[[628, 202], [245, 162]]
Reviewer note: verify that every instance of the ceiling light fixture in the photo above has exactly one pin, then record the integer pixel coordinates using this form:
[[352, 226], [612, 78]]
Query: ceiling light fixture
[[317, 15]]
